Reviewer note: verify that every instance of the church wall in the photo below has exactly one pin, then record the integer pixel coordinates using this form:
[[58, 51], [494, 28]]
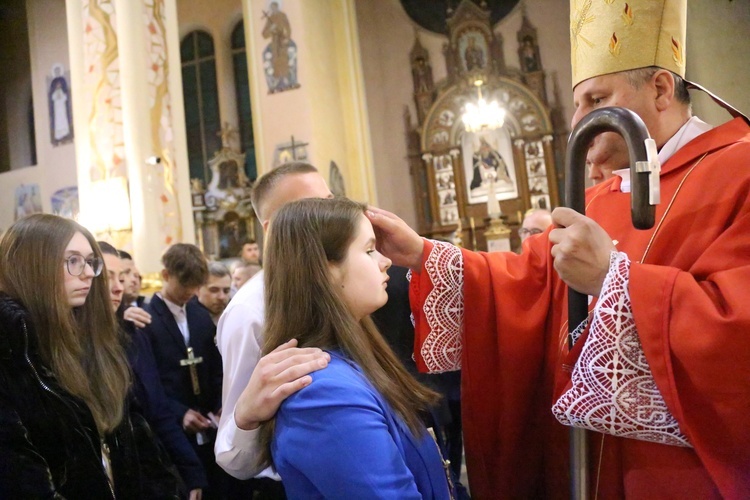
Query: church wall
[[55, 168], [335, 89], [717, 51]]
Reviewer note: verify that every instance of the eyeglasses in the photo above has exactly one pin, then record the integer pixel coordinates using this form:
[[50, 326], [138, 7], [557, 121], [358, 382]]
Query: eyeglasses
[[76, 264], [530, 232]]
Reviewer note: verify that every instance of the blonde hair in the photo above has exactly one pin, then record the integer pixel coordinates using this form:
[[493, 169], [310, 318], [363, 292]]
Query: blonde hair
[[302, 303], [80, 345]]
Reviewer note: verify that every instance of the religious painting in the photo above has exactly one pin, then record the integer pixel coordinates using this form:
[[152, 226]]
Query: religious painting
[[229, 175], [280, 55], [473, 51], [28, 200], [232, 234], [489, 154], [65, 202], [60, 106]]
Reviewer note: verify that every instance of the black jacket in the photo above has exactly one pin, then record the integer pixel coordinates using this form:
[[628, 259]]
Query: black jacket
[[169, 348], [154, 405], [49, 443]]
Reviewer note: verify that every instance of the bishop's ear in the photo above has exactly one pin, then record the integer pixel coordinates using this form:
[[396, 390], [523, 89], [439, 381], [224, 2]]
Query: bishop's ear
[[663, 82]]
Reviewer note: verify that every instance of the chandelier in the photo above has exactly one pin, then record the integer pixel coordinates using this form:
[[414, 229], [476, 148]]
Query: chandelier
[[482, 116]]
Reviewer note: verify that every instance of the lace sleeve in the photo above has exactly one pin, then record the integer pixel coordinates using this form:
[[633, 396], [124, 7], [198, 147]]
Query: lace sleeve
[[613, 390], [444, 308]]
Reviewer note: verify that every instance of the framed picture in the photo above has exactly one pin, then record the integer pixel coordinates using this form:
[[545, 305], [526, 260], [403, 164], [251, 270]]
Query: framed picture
[[488, 153]]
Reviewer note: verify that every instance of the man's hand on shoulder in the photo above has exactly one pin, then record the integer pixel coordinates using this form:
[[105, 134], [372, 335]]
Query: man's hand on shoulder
[[137, 315], [278, 374]]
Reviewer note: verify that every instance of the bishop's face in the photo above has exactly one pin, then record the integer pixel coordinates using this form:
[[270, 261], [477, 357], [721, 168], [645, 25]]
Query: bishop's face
[[614, 90]]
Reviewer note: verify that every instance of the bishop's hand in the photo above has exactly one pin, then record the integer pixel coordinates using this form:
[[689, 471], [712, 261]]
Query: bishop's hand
[[581, 250], [395, 239]]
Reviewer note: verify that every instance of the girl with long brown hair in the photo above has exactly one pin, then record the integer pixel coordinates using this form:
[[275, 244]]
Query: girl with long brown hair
[[64, 419], [355, 431]]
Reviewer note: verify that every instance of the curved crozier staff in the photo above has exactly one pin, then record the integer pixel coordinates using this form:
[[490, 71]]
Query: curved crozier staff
[[644, 175]]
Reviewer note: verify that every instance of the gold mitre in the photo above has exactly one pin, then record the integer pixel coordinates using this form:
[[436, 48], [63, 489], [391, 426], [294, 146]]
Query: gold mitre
[[608, 36]]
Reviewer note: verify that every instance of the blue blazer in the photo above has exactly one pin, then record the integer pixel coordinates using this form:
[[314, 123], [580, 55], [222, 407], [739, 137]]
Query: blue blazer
[[169, 348], [339, 438]]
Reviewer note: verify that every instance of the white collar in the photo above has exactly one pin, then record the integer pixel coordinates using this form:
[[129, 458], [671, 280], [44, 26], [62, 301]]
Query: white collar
[[689, 131], [173, 308]]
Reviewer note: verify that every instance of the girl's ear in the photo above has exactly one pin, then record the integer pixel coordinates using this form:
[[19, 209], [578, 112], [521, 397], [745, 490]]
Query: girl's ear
[[336, 274]]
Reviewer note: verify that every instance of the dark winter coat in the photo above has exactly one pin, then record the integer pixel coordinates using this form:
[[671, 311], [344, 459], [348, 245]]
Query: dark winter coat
[[49, 443]]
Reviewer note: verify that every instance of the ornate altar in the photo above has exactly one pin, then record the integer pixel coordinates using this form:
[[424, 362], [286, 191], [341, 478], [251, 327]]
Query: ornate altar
[[224, 217], [449, 165]]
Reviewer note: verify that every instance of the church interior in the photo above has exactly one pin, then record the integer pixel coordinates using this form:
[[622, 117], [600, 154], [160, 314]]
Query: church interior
[[148, 120]]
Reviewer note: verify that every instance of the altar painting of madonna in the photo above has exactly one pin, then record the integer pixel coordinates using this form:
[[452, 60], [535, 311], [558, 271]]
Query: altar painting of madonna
[[485, 154]]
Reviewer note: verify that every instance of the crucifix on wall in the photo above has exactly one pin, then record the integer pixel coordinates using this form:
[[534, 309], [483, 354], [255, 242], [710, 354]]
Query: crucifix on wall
[[290, 151]]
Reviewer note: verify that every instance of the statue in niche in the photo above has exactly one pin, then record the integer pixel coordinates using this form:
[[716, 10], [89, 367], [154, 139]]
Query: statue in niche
[[422, 74], [280, 55], [529, 55]]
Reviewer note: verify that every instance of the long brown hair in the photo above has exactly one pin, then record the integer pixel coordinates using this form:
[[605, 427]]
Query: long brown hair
[[80, 345], [302, 303]]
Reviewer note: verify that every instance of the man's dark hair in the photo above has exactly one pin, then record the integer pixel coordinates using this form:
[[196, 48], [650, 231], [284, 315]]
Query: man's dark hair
[[186, 263], [249, 241], [265, 183], [108, 249], [637, 77], [125, 255]]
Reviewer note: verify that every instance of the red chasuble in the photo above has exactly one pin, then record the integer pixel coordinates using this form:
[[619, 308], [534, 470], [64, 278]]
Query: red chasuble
[[502, 317]]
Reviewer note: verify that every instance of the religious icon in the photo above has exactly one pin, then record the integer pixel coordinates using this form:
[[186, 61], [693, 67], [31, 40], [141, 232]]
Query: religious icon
[[485, 153], [472, 48], [65, 202], [232, 232], [229, 176], [280, 55], [486, 158], [28, 200], [60, 107]]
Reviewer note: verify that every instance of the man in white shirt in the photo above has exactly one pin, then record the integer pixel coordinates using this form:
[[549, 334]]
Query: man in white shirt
[[255, 386]]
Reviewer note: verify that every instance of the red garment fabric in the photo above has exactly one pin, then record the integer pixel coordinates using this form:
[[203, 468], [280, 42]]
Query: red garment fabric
[[690, 298]]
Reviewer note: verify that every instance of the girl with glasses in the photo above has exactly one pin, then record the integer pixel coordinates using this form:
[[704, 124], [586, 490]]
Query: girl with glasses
[[66, 428], [355, 431]]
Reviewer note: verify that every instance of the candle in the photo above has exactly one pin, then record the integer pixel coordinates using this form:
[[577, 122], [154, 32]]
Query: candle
[[493, 207]]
